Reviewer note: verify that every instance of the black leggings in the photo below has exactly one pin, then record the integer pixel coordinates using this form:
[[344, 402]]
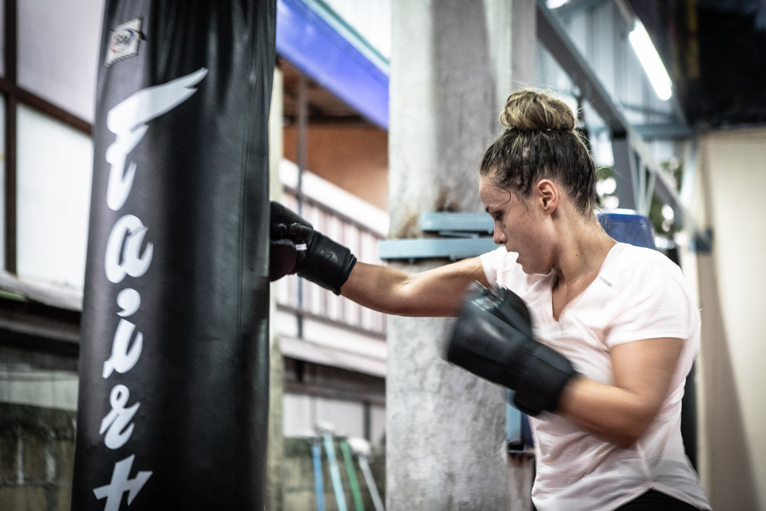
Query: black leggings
[[656, 501]]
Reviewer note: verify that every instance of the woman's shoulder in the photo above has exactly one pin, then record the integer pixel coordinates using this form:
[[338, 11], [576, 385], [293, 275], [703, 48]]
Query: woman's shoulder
[[628, 255], [632, 263], [649, 296]]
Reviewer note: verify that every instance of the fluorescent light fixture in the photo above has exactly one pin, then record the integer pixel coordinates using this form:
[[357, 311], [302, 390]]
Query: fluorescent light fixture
[[650, 60], [555, 4]]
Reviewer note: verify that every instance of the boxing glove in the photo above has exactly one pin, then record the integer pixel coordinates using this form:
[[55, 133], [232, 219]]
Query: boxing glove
[[296, 247], [493, 339]]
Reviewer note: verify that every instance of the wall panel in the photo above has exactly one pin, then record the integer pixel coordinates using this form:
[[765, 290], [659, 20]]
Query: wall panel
[[731, 282]]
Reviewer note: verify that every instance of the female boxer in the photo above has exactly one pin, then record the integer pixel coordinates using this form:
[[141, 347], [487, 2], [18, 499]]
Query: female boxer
[[613, 331]]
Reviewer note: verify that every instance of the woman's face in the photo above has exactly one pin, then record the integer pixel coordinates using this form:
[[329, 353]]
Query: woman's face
[[519, 226]]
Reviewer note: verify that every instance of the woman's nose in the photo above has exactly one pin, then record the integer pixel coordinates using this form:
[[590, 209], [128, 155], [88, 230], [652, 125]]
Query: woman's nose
[[499, 236]]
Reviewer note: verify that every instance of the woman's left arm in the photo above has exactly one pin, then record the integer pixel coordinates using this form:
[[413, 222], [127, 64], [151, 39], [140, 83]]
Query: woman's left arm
[[622, 413]]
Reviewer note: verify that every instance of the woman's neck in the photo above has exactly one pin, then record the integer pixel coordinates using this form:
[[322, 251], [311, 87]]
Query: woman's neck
[[581, 250]]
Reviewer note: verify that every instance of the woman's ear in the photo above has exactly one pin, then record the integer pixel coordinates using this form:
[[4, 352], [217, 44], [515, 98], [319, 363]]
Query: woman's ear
[[548, 195]]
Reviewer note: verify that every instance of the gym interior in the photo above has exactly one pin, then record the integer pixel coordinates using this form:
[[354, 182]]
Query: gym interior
[[376, 113]]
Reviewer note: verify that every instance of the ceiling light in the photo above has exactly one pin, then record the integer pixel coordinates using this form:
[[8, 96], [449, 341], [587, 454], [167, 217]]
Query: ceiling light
[[668, 213], [650, 60], [555, 4]]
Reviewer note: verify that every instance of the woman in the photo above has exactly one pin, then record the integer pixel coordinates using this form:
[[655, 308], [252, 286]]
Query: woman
[[621, 315]]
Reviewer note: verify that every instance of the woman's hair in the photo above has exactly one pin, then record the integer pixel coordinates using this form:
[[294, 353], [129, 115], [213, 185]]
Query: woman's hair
[[540, 142]]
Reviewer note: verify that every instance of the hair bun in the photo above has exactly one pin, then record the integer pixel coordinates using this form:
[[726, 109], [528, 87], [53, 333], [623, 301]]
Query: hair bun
[[531, 110]]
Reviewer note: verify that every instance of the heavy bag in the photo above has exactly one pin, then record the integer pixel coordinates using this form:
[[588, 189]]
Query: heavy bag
[[173, 403]]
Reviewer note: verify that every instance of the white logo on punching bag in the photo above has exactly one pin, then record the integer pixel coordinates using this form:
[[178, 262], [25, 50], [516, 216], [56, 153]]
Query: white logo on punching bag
[[117, 421], [128, 121], [121, 484], [123, 250], [124, 256], [123, 359]]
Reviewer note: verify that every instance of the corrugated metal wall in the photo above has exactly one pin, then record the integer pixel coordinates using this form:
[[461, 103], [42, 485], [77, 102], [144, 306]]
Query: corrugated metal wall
[[601, 34]]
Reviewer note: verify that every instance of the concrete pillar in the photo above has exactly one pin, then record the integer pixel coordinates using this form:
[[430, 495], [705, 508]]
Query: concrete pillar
[[524, 41], [450, 75]]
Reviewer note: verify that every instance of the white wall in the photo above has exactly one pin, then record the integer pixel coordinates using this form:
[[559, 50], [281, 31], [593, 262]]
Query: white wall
[[732, 280]]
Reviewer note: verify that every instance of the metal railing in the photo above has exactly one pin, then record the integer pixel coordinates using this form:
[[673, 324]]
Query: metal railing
[[315, 302]]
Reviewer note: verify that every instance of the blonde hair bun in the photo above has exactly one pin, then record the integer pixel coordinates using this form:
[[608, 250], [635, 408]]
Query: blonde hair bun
[[531, 110]]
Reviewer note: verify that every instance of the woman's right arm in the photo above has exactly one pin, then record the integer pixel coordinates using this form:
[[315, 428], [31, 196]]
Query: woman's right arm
[[434, 293], [437, 292]]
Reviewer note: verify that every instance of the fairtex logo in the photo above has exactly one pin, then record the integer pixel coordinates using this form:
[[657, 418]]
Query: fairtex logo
[[124, 41], [126, 256]]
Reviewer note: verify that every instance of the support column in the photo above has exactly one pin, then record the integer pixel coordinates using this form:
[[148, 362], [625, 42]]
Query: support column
[[450, 75]]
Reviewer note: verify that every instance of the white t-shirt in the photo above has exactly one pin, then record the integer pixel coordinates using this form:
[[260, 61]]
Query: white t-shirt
[[638, 294]]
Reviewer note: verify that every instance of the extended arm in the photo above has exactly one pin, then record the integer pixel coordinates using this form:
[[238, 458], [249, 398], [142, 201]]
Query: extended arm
[[622, 413], [297, 248], [437, 292]]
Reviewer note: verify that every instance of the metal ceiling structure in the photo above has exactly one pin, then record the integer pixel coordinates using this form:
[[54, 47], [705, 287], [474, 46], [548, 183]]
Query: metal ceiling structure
[[637, 173]]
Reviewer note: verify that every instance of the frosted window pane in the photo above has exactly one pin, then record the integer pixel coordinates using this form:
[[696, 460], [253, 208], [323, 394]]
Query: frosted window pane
[[2, 179], [58, 49], [53, 199], [298, 414], [346, 417], [302, 413]]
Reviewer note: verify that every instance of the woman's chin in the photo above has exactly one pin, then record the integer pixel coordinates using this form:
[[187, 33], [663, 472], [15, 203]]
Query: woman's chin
[[531, 269], [524, 266]]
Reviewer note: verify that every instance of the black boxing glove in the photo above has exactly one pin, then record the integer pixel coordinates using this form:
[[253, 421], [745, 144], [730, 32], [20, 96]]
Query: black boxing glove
[[296, 247], [493, 340]]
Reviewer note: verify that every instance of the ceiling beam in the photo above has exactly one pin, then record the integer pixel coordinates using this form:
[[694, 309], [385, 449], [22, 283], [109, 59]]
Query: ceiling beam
[[553, 35], [576, 6]]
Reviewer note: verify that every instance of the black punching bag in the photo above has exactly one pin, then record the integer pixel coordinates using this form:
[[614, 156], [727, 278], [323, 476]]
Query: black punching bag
[[173, 404]]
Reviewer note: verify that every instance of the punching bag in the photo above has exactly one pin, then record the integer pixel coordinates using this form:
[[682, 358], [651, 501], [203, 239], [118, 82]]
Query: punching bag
[[173, 402]]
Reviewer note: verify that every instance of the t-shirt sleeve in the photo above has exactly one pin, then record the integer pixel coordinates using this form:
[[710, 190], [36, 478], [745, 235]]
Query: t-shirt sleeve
[[651, 302], [491, 262]]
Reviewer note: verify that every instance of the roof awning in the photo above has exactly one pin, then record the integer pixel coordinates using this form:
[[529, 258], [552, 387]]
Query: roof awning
[[48, 293], [317, 49], [312, 352]]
